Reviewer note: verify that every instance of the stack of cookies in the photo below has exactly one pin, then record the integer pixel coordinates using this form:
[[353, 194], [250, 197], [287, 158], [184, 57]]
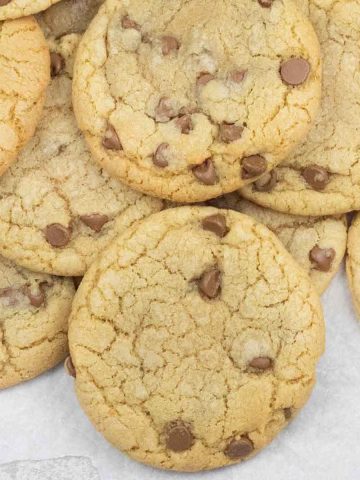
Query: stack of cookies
[[175, 178]]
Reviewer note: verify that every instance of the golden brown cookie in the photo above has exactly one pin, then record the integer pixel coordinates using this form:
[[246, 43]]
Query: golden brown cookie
[[194, 337], [186, 102]]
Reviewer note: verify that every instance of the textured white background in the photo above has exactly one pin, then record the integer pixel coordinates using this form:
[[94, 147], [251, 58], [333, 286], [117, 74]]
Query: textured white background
[[42, 420]]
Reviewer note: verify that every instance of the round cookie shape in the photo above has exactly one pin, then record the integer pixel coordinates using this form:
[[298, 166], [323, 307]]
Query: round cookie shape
[[193, 346], [34, 310], [177, 106], [322, 176], [353, 262], [57, 208], [24, 76], [10, 9], [318, 244]]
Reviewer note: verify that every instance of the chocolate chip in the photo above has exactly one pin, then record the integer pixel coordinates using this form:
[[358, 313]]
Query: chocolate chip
[[77, 281], [159, 158], [111, 139], [184, 123], [266, 3], [322, 258], [204, 79], [317, 177], [57, 235], [36, 299], [169, 44], [69, 367], [229, 132], [178, 436], [164, 110], [57, 63], [237, 76], [95, 221], [205, 172], [261, 363], [209, 283], [266, 182], [4, 2], [239, 448], [287, 413], [216, 224], [128, 23], [295, 71], [253, 166]]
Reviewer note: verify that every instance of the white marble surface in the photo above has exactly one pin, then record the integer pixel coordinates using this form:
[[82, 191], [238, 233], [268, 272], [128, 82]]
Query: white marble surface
[[42, 420]]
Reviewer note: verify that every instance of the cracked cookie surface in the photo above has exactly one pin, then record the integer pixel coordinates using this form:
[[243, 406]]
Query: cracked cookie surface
[[318, 244], [322, 177], [24, 76], [34, 310], [353, 262], [195, 337], [57, 208], [187, 102], [22, 8]]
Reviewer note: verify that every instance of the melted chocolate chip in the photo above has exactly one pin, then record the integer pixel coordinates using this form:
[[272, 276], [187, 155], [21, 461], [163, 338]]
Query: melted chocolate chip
[[266, 3], [169, 44], [36, 298], [57, 63], [253, 166], [111, 139], [205, 172], [261, 363], [216, 224], [295, 71], [240, 448], [159, 158], [237, 76], [127, 23], [57, 235], [266, 182], [229, 132], [164, 110], [69, 367], [178, 436], [317, 177], [210, 283], [204, 79], [322, 258], [95, 221], [184, 123]]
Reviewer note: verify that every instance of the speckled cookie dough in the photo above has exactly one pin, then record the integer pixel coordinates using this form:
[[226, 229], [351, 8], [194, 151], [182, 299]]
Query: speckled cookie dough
[[22, 8], [24, 76], [195, 338], [323, 176], [186, 102], [57, 208], [353, 261], [34, 310], [318, 244]]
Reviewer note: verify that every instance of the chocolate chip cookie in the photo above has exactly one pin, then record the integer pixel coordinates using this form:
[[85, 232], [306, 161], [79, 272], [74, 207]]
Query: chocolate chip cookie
[[24, 76], [322, 176], [22, 8], [187, 102], [34, 310], [318, 244], [194, 337], [57, 208], [353, 262]]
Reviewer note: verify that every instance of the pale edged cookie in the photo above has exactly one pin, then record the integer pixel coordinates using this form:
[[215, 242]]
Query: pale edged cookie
[[21, 8], [353, 261], [318, 244], [57, 208], [322, 177], [195, 338], [34, 310], [24, 76], [186, 102]]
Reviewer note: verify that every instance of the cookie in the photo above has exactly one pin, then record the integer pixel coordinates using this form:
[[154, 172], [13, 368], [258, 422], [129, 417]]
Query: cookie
[[194, 338], [353, 262], [57, 208], [322, 176], [318, 244], [24, 76], [21, 8], [34, 310], [186, 102]]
